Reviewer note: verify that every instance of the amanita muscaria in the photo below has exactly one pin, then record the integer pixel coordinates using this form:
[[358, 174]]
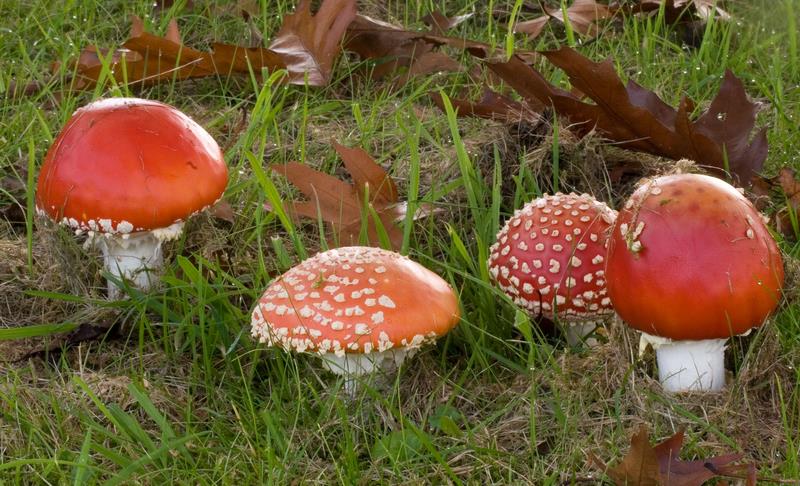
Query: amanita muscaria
[[549, 258], [361, 309], [691, 263], [129, 172]]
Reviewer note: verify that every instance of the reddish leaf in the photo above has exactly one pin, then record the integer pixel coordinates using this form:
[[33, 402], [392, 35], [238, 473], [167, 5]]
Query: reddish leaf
[[341, 204], [308, 44], [430, 62], [638, 119], [391, 47], [491, 105], [788, 186], [676, 10], [439, 22], [223, 210], [660, 465], [583, 16]]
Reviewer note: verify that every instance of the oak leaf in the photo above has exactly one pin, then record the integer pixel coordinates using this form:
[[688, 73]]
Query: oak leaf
[[660, 465], [348, 207], [306, 46], [390, 47], [787, 185], [638, 119], [676, 10], [491, 105], [583, 16]]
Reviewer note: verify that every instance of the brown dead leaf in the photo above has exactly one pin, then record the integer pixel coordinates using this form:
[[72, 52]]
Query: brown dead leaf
[[223, 210], [491, 105], [638, 119], [144, 58], [786, 185], [341, 204], [308, 44], [676, 10], [441, 23], [660, 465], [583, 16], [389, 47], [430, 62]]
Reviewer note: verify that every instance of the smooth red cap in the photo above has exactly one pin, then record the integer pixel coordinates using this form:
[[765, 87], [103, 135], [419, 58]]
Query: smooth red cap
[[355, 300], [125, 164], [691, 258], [550, 257]]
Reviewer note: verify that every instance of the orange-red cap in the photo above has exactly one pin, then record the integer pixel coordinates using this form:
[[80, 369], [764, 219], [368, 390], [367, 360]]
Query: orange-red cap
[[122, 165], [355, 300], [690, 258], [550, 257]]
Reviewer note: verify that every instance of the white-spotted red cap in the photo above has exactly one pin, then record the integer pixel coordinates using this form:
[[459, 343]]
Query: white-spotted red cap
[[355, 300], [549, 257]]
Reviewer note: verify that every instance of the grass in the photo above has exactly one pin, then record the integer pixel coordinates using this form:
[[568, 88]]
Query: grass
[[180, 394]]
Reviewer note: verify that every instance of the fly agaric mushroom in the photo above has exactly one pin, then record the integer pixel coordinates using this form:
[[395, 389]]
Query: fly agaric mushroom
[[690, 264], [549, 259], [129, 172], [359, 308]]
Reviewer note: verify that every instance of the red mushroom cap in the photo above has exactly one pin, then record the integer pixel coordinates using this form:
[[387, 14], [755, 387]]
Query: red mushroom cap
[[550, 257], [355, 300], [690, 258], [125, 164]]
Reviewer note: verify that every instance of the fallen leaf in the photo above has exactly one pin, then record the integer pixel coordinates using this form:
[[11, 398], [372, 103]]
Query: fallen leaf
[[341, 204], [144, 58], [660, 465], [441, 23], [583, 16], [675, 10], [308, 44], [389, 47], [430, 62], [638, 119], [786, 184], [223, 210], [491, 105]]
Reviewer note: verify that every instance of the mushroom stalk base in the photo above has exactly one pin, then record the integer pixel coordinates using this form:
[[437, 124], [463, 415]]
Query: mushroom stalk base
[[135, 258], [692, 365], [352, 366], [578, 333]]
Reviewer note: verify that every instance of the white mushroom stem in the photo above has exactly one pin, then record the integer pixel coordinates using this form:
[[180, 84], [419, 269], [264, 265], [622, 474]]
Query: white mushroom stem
[[691, 365], [135, 257], [578, 333], [352, 366]]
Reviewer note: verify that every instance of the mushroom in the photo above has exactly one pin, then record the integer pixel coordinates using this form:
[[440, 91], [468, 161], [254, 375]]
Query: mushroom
[[690, 264], [550, 259], [129, 172], [361, 309]]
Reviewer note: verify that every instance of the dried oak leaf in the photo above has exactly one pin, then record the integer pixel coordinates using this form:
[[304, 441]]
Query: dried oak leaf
[[676, 10], [638, 119], [341, 204], [391, 47], [583, 16], [787, 184], [144, 58], [308, 44], [660, 465], [491, 105]]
